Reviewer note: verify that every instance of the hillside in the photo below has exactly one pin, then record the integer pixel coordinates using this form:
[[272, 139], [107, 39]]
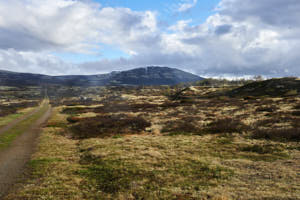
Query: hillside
[[273, 87], [139, 76]]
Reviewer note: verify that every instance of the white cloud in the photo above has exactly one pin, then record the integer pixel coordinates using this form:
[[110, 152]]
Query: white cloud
[[74, 26], [33, 62], [187, 5], [244, 37]]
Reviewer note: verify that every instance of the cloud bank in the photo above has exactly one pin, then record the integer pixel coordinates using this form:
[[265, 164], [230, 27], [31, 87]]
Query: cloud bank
[[243, 37]]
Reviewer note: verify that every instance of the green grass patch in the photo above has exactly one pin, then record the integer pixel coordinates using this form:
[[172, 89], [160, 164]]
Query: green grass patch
[[7, 119], [225, 148], [112, 177], [263, 152], [39, 166], [225, 140], [57, 124], [9, 136]]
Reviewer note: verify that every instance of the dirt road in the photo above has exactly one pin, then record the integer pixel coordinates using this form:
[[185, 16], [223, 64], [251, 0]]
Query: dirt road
[[14, 158]]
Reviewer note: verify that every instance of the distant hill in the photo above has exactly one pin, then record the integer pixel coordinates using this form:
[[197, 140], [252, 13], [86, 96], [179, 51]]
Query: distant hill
[[139, 76], [273, 87]]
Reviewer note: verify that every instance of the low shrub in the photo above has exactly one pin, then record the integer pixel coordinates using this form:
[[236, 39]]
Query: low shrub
[[266, 109], [80, 102], [4, 110], [144, 107], [181, 127], [272, 121], [296, 123], [170, 104], [76, 110], [265, 152], [262, 149], [73, 119], [279, 134], [297, 107], [296, 113], [14, 107], [109, 125], [226, 125], [126, 107]]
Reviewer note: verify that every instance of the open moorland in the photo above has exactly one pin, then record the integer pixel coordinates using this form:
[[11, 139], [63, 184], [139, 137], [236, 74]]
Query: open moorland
[[166, 143]]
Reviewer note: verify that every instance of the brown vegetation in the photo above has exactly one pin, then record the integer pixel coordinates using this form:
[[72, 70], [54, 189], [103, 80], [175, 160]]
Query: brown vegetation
[[12, 108], [278, 134], [108, 125], [227, 125], [136, 143]]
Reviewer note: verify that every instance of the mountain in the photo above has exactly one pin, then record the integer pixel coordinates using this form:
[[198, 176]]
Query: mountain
[[139, 76]]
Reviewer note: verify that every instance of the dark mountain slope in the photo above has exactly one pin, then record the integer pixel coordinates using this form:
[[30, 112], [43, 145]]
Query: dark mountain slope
[[139, 76], [153, 76]]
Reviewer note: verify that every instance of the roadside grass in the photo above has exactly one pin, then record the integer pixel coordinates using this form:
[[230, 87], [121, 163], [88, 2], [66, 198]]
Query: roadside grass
[[9, 136], [9, 118], [39, 166]]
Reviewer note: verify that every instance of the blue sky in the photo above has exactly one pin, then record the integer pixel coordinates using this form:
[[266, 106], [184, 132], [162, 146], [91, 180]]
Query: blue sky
[[165, 8]]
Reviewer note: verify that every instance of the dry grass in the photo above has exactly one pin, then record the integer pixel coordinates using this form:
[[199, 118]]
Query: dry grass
[[200, 149]]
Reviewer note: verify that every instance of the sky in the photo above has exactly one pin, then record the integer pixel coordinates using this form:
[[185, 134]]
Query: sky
[[211, 38]]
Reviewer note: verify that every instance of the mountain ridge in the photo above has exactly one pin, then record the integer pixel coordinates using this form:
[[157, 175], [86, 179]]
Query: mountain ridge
[[152, 75]]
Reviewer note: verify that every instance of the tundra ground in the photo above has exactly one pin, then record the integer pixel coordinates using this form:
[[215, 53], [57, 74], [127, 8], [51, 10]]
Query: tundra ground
[[148, 143]]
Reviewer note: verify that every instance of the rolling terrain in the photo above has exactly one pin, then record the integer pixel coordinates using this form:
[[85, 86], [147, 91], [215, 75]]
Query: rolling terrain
[[152, 142]]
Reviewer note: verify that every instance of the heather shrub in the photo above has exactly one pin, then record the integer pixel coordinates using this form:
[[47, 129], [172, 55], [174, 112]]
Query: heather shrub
[[226, 125], [278, 134], [261, 149], [297, 106], [73, 119], [296, 113], [109, 125], [181, 127], [76, 110], [266, 109]]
